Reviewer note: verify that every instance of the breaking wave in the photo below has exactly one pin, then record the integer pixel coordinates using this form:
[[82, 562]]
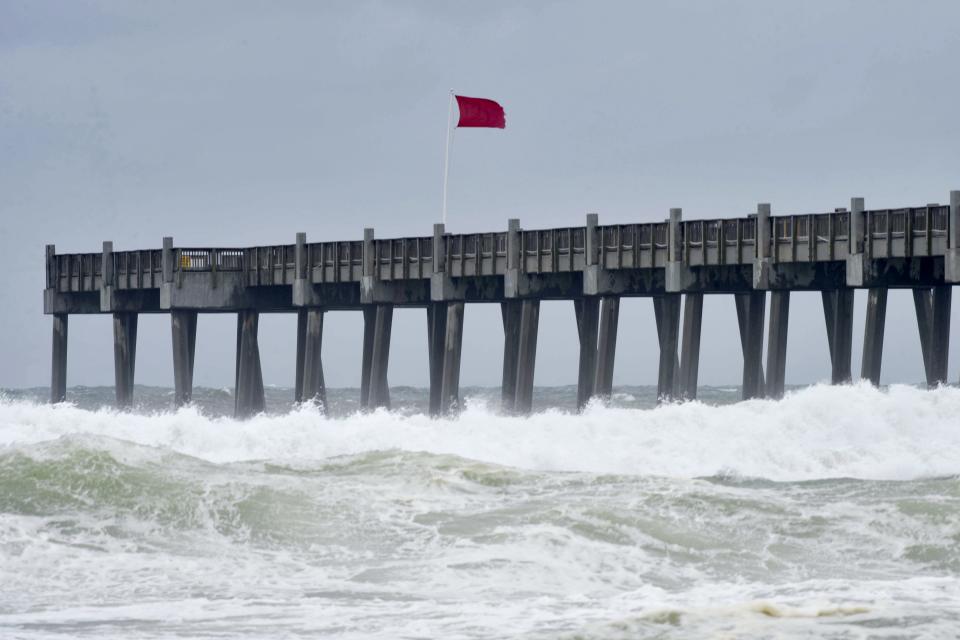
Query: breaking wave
[[818, 432]]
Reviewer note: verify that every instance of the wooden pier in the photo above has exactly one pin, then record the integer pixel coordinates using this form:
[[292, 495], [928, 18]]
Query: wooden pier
[[675, 262]]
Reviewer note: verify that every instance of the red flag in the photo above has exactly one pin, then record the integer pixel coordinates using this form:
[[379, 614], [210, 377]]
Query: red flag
[[480, 112]]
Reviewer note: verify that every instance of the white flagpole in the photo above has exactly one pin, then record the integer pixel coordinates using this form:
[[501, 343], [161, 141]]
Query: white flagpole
[[446, 157]]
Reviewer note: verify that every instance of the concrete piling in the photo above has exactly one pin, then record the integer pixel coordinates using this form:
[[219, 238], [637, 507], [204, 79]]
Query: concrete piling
[[667, 312], [301, 342], [124, 356], [777, 343], [379, 387], [838, 314], [58, 377], [606, 345], [511, 311], [313, 387], [527, 355], [249, 397], [366, 361], [452, 346], [183, 326], [436, 334], [933, 322], [587, 310], [873, 334], [751, 313], [940, 334], [690, 345]]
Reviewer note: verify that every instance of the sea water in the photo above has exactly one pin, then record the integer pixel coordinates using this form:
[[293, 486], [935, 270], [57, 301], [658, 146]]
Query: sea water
[[833, 513]]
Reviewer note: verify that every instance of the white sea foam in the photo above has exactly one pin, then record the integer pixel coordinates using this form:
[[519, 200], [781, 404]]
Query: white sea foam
[[819, 432]]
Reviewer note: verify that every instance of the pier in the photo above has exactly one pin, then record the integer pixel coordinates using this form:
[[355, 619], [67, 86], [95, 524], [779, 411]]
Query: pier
[[759, 259]]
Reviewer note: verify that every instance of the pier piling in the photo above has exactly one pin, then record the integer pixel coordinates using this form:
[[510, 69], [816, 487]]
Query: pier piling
[[249, 397], [751, 313], [183, 325], [838, 314], [452, 347], [58, 376], [873, 334], [301, 349], [366, 361], [587, 310], [527, 355], [124, 356], [667, 312], [313, 387], [436, 335], [933, 322], [380, 357], [510, 311], [690, 345], [777, 343], [606, 345]]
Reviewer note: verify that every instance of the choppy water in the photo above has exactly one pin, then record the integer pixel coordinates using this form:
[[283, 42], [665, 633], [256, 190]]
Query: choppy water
[[834, 513]]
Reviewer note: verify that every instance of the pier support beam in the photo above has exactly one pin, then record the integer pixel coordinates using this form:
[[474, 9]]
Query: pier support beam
[[667, 311], [873, 335], [313, 387], [527, 355], [587, 310], [606, 345], [124, 356], [751, 312], [690, 345], [183, 325], [379, 395], [838, 313], [58, 371], [436, 334], [452, 346], [249, 386], [511, 311], [933, 322], [777, 343]]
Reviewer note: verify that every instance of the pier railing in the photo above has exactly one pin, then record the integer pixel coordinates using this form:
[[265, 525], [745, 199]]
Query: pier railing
[[887, 233]]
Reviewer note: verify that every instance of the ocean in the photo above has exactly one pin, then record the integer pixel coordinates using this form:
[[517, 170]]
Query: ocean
[[833, 513]]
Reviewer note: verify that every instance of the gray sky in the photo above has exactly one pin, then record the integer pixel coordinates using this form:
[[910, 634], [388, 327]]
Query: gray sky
[[240, 123]]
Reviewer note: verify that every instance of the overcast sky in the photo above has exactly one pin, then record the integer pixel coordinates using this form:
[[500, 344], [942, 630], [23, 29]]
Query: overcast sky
[[241, 123]]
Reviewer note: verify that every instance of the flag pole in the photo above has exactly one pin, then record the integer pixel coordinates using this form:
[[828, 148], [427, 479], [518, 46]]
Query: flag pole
[[446, 157]]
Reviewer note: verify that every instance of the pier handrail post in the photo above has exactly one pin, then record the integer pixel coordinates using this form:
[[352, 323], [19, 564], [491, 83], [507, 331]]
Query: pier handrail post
[[952, 262], [369, 253], [855, 231], [439, 248], [762, 266], [673, 231], [676, 274], [762, 235], [53, 278], [167, 259], [590, 243], [514, 258], [856, 260], [300, 256], [954, 221], [106, 265]]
